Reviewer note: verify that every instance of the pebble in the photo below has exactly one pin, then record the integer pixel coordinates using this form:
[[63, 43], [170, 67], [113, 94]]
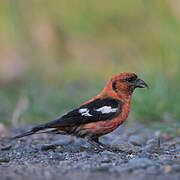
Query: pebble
[[64, 141], [122, 169], [46, 147], [152, 146], [84, 154], [176, 167], [106, 160], [64, 163], [168, 169], [4, 159], [153, 170], [136, 140], [57, 156], [120, 144], [5, 147], [140, 163], [103, 168]]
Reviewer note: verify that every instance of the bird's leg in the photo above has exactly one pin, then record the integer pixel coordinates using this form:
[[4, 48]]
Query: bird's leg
[[101, 145], [96, 140], [106, 147], [95, 144]]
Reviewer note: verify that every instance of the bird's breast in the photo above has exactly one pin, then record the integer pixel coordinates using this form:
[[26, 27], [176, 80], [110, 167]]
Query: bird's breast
[[104, 127]]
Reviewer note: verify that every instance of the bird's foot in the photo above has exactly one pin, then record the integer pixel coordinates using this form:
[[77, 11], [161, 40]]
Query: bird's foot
[[96, 146], [100, 147], [109, 148]]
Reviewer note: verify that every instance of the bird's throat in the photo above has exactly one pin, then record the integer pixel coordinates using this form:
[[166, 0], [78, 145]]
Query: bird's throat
[[125, 98]]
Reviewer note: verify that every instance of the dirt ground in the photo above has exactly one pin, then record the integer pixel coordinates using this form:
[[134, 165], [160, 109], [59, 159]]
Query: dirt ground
[[139, 154]]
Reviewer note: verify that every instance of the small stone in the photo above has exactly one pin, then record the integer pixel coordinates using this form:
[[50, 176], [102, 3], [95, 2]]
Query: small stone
[[168, 169], [176, 168], [120, 144], [107, 153], [64, 163], [35, 142], [137, 172], [140, 163], [57, 156], [46, 147], [84, 147], [4, 159], [5, 147], [164, 157], [130, 156], [152, 146], [64, 141], [106, 160], [174, 141], [153, 170], [103, 168], [84, 154], [145, 154], [178, 148], [136, 140], [122, 169]]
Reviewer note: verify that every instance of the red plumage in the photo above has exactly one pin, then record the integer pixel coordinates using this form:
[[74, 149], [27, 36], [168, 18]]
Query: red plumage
[[98, 116]]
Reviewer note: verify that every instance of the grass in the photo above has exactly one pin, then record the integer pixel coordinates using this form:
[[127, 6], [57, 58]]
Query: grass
[[158, 104], [56, 55]]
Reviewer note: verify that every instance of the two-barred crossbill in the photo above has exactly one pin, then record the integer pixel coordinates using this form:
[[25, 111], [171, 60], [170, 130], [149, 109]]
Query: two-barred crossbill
[[98, 116]]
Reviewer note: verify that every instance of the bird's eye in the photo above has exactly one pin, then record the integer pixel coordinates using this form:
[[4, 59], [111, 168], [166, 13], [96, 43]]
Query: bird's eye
[[131, 79]]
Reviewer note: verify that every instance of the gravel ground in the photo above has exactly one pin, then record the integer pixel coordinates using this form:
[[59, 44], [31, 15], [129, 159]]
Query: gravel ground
[[141, 155]]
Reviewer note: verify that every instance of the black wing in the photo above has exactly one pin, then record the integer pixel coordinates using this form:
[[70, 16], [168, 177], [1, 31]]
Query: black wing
[[97, 110]]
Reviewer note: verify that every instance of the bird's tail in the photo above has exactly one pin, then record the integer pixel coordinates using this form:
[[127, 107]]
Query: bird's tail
[[36, 129]]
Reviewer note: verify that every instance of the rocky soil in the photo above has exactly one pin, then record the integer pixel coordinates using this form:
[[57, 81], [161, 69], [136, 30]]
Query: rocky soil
[[140, 155]]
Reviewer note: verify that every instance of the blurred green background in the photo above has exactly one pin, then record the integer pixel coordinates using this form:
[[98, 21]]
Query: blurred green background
[[54, 55]]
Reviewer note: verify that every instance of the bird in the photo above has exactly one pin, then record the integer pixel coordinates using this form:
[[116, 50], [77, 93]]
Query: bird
[[98, 116]]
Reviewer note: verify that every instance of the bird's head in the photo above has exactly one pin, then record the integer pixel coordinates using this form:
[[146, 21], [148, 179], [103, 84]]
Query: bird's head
[[125, 83]]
